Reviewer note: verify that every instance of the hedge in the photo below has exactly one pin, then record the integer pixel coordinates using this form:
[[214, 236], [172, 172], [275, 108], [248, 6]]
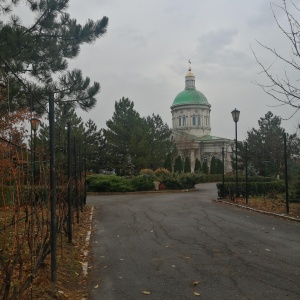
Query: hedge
[[143, 182], [254, 188]]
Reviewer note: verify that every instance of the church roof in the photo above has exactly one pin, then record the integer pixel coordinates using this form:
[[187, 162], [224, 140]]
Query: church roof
[[204, 138], [189, 96]]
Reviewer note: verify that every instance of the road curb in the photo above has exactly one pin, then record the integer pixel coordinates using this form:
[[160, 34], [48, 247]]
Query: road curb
[[141, 192], [85, 249], [283, 216]]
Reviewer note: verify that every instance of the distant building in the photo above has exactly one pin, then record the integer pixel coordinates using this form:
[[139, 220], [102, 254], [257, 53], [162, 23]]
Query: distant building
[[191, 127]]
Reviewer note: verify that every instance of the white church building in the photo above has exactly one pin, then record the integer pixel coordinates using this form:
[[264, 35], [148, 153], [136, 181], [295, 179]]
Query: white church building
[[191, 127]]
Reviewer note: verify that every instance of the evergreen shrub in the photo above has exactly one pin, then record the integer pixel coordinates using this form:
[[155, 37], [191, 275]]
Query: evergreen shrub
[[142, 182], [108, 183], [254, 188]]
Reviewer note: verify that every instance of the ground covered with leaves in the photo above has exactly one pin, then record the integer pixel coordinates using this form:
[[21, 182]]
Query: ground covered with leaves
[[72, 265], [275, 205]]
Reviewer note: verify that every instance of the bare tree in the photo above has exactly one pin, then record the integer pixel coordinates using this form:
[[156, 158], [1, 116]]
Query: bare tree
[[285, 89]]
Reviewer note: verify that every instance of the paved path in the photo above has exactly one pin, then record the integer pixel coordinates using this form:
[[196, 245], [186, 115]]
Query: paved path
[[162, 243]]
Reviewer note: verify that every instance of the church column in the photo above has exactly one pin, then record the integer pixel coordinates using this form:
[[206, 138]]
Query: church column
[[193, 159]]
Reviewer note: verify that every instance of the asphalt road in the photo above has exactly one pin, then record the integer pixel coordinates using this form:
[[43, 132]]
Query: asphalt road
[[162, 243]]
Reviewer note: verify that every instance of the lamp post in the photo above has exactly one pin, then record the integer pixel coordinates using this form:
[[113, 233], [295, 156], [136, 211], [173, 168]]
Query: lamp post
[[35, 123], [235, 116]]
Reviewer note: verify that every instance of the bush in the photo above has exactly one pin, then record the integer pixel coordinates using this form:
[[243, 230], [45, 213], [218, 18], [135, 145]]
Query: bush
[[254, 188], [187, 180], [108, 183], [181, 181], [147, 172], [161, 172], [172, 183], [142, 182]]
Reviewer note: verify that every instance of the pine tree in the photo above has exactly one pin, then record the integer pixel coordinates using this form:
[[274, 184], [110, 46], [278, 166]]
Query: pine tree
[[178, 165], [187, 165], [145, 141], [168, 162], [213, 165], [219, 167], [205, 167], [36, 55], [94, 149], [197, 168]]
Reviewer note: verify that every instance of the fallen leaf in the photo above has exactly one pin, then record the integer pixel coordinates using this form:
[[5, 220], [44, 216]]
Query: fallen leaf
[[268, 250], [104, 267], [146, 293], [96, 286], [196, 294], [196, 282]]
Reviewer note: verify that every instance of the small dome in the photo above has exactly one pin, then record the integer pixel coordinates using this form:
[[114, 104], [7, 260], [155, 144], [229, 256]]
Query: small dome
[[189, 96], [189, 74]]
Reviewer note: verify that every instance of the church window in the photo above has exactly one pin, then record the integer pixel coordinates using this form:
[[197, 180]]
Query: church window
[[179, 121], [207, 121], [194, 120], [183, 121], [198, 120]]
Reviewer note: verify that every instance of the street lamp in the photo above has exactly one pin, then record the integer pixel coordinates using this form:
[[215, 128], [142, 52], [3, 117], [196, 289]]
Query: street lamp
[[35, 123], [235, 116]]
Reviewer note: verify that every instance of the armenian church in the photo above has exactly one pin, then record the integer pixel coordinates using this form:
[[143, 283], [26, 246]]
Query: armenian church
[[191, 127]]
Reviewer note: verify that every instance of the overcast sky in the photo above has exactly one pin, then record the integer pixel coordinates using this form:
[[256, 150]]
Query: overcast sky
[[144, 56]]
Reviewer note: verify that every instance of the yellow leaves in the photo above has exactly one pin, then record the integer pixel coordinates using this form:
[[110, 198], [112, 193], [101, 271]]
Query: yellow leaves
[[196, 283], [146, 293], [96, 286]]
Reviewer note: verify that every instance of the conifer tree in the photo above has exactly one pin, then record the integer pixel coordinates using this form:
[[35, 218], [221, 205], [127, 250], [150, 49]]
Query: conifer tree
[[197, 168], [205, 167], [187, 165], [35, 57], [178, 165], [219, 167], [143, 141], [168, 162], [213, 165]]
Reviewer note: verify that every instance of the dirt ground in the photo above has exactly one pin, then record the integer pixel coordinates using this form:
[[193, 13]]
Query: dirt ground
[[71, 263]]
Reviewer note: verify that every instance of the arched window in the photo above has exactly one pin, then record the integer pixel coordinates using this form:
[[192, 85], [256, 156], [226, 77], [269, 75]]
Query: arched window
[[179, 121], [198, 120], [183, 121]]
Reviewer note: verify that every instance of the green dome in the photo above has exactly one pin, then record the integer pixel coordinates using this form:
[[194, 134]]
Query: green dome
[[190, 96]]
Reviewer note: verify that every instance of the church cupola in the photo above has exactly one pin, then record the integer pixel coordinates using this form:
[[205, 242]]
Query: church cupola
[[190, 79]]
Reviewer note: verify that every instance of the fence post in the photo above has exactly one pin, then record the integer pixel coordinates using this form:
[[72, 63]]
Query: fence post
[[69, 186], [286, 176], [52, 187]]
